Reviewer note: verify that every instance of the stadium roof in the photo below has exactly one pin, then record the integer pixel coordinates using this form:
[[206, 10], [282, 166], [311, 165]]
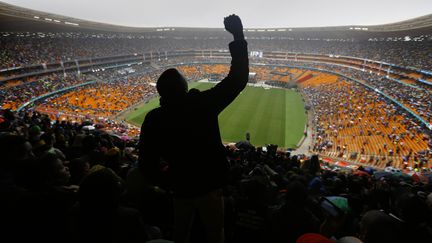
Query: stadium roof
[[18, 19]]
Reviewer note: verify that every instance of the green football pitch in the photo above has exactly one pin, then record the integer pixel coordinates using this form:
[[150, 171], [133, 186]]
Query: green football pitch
[[271, 116]]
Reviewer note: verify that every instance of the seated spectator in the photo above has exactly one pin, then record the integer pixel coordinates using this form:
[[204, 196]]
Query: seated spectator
[[99, 217], [294, 218], [377, 226], [78, 168]]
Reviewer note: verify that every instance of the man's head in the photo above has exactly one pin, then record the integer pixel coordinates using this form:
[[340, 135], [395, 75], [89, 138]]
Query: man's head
[[377, 226], [171, 84]]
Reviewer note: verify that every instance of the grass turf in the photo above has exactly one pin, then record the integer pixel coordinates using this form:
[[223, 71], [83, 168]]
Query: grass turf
[[271, 116]]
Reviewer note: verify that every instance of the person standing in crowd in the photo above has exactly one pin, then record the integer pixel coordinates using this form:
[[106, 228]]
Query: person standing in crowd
[[189, 119]]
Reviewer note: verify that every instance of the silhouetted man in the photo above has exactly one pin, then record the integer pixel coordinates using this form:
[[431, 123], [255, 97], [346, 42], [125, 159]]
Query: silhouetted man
[[184, 132]]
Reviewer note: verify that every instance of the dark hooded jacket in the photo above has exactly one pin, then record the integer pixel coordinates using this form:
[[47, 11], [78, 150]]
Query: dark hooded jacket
[[184, 132]]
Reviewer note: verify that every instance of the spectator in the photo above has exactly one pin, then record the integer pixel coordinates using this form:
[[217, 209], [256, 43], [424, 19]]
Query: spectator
[[99, 217], [192, 116]]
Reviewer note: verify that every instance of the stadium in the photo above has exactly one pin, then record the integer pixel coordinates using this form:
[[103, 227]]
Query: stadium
[[341, 114]]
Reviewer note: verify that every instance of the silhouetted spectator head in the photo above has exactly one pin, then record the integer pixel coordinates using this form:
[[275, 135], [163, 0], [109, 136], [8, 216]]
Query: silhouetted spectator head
[[79, 168], [113, 159], [294, 158], [316, 185], [89, 143], [34, 133], [377, 226], [412, 209], [312, 165], [44, 144], [296, 193], [100, 190], [50, 171], [255, 190], [171, 83], [49, 139], [13, 148], [78, 140]]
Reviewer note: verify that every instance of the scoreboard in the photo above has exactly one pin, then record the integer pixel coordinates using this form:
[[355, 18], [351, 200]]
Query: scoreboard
[[258, 54]]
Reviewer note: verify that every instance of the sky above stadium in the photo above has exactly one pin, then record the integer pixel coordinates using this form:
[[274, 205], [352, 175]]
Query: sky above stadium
[[255, 14]]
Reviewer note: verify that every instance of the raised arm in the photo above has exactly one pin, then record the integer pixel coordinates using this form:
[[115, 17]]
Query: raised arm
[[230, 87]]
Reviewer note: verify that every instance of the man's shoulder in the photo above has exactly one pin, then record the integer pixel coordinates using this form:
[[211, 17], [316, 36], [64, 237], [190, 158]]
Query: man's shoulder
[[153, 115], [154, 111], [194, 92]]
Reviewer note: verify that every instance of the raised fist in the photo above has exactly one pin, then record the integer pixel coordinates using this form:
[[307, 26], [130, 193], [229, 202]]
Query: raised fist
[[234, 25]]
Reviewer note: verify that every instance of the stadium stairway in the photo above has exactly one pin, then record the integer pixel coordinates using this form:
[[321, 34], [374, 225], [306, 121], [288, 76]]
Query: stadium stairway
[[300, 74], [305, 78]]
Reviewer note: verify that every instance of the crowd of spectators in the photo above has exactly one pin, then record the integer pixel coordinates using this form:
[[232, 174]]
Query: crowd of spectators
[[102, 99], [120, 89], [15, 94], [354, 122], [414, 97], [64, 181], [61, 181], [25, 49]]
